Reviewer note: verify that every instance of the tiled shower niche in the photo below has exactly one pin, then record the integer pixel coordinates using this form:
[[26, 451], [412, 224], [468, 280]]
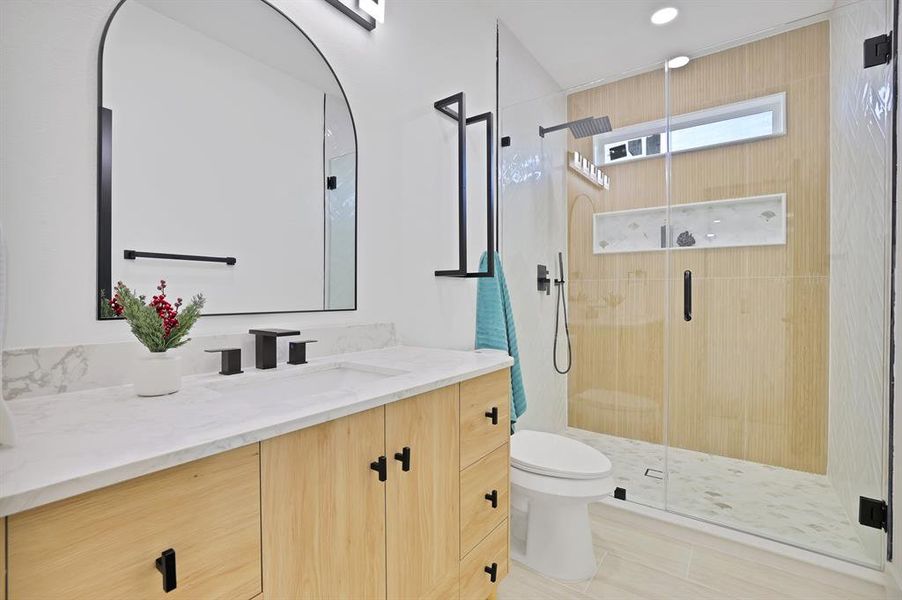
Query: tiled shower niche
[[750, 221]]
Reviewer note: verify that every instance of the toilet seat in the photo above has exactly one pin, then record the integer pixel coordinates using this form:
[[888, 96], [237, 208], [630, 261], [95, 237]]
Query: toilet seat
[[551, 455], [577, 490]]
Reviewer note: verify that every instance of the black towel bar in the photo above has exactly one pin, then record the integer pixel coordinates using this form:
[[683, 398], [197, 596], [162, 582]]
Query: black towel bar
[[462, 121], [133, 254]]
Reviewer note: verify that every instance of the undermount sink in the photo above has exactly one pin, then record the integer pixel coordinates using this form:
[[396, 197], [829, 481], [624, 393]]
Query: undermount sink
[[309, 381]]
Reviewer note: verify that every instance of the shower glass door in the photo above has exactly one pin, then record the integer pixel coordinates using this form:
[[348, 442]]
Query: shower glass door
[[778, 170], [618, 260]]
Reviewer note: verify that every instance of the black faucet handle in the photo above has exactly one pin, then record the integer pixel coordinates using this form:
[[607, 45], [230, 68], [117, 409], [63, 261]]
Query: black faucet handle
[[274, 332], [231, 360], [297, 352]]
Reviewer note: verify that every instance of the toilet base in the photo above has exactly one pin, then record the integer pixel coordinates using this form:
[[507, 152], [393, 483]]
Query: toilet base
[[558, 538]]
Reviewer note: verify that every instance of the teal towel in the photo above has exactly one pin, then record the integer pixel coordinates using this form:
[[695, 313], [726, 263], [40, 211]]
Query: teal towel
[[495, 328]]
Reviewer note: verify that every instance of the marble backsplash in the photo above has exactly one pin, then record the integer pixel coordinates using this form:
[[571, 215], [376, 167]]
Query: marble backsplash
[[29, 372]]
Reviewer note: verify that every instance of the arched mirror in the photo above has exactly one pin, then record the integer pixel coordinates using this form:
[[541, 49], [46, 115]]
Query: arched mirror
[[227, 160]]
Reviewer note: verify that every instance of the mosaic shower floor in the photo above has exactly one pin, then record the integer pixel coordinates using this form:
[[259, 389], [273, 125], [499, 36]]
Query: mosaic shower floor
[[795, 507]]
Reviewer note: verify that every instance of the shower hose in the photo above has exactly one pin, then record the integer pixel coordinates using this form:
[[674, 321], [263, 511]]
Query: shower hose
[[561, 306]]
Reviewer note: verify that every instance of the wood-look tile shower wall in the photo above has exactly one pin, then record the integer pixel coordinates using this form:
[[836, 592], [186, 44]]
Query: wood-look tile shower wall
[[748, 375]]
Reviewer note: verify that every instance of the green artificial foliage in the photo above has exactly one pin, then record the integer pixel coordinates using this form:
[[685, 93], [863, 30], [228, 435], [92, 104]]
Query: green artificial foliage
[[106, 311], [159, 325]]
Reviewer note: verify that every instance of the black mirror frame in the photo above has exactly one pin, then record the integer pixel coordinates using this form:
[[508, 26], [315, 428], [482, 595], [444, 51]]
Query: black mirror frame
[[104, 185]]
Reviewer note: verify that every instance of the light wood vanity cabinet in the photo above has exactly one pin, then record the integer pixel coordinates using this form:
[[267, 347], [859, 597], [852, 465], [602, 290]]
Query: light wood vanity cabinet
[[324, 510], [407, 500], [485, 464], [104, 544], [484, 497], [423, 508], [427, 531], [484, 415]]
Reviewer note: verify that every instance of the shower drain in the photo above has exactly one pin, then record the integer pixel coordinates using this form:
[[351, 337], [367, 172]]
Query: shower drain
[[654, 473]]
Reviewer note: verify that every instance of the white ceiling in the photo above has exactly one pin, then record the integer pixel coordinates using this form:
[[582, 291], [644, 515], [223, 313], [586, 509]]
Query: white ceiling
[[580, 41]]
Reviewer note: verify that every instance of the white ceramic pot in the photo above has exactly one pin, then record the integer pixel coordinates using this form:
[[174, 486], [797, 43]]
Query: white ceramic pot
[[157, 374]]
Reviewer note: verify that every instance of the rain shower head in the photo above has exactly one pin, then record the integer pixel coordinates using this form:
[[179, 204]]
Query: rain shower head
[[582, 127]]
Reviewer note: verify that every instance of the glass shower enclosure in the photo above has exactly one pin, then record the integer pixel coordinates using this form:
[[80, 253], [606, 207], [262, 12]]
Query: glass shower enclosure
[[729, 288]]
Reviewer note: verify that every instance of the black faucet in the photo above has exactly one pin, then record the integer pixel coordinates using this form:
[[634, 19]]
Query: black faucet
[[265, 355], [231, 360], [297, 352]]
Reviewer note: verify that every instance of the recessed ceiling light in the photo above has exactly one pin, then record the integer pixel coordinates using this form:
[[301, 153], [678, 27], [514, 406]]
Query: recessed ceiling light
[[678, 61], [664, 15]]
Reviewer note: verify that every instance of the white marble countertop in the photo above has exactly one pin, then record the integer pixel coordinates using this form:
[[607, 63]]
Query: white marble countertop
[[73, 443]]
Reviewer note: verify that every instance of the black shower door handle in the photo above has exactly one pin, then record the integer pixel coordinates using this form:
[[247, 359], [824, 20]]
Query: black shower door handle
[[687, 295]]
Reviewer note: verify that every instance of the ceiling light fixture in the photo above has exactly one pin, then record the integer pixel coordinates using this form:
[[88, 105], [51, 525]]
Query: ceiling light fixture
[[664, 15], [678, 61]]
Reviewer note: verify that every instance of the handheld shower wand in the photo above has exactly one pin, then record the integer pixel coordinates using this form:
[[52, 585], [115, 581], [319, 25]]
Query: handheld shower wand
[[561, 306]]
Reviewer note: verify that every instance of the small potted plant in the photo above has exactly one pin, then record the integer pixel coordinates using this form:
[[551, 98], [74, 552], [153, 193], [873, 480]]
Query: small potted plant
[[160, 326]]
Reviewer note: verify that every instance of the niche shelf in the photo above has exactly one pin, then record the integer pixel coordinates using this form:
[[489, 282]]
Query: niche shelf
[[749, 221]]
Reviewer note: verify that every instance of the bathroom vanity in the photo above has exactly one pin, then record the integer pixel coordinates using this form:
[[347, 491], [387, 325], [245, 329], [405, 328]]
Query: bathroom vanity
[[370, 475]]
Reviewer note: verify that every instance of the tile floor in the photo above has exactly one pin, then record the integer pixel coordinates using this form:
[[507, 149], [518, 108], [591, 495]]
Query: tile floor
[[789, 506], [640, 557]]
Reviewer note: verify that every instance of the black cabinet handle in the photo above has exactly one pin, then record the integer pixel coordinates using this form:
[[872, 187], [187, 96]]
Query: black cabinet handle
[[404, 457], [380, 466], [493, 415], [493, 498], [493, 572], [166, 565], [687, 295]]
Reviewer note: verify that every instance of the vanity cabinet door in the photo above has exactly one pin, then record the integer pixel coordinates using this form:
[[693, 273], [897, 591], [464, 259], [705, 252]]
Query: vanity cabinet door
[[104, 544], [484, 497], [486, 566], [484, 415], [324, 510], [423, 510]]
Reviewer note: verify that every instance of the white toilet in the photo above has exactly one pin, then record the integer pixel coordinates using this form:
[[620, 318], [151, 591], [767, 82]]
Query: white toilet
[[553, 480]]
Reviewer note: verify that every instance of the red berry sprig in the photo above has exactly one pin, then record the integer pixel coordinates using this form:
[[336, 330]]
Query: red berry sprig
[[167, 312], [115, 302]]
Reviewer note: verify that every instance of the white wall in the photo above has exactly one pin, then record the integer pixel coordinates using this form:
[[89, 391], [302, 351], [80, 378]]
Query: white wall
[[214, 153], [859, 215], [533, 222], [407, 197]]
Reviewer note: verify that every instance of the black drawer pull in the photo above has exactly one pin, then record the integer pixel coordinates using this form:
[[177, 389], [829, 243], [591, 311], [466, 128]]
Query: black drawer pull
[[166, 565], [493, 415], [380, 466], [492, 571], [493, 498], [404, 458]]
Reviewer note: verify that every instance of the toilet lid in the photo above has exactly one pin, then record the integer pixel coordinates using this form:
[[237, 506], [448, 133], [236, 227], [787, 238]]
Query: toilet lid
[[557, 456]]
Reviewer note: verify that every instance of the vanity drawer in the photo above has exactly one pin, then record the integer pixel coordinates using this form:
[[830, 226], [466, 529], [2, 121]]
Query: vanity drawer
[[490, 555], [104, 544], [479, 397], [488, 477]]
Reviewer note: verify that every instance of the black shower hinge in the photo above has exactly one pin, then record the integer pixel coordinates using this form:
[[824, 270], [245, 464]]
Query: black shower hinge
[[620, 493], [506, 141], [331, 182], [872, 512], [878, 50]]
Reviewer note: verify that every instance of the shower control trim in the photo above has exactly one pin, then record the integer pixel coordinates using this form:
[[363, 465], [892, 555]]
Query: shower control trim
[[543, 281]]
